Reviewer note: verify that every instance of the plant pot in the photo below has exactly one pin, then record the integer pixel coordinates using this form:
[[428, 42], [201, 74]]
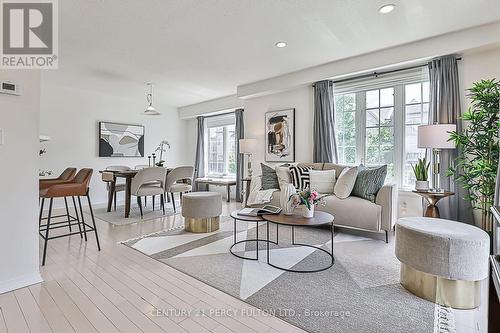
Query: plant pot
[[306, 212], [422, 185]]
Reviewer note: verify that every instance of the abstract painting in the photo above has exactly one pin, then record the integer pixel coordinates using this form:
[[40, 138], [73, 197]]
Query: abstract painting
[[121, 140], [280, 137]]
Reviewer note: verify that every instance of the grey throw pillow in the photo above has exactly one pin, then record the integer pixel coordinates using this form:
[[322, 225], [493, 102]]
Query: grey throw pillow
[[369, 182], [269, 178]]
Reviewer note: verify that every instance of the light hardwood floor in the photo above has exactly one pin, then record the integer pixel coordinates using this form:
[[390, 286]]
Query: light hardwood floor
[[121, 290]]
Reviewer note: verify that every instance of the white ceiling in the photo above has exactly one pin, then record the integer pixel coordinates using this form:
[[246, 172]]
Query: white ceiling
[[196, 50]]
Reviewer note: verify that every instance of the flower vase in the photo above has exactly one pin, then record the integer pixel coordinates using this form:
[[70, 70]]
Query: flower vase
[[307, 212], [285, 202]]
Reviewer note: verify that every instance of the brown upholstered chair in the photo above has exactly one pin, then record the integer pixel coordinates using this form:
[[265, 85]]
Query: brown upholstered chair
[[66, 176], [78, 187]]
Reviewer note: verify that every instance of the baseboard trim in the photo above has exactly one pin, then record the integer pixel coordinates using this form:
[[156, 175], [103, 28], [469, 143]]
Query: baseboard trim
[[20, 282]]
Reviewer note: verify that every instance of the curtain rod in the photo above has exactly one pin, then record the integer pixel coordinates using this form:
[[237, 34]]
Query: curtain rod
[[376, 74]]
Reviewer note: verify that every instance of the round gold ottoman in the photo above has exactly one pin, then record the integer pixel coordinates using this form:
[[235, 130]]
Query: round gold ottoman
[[201, 211], [442, 261]]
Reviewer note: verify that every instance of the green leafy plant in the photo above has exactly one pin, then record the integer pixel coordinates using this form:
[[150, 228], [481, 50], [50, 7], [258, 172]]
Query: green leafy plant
[[476, 166], [421, 169]]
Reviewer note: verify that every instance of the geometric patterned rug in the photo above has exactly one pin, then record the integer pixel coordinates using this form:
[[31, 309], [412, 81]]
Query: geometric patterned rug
[[359, 293]]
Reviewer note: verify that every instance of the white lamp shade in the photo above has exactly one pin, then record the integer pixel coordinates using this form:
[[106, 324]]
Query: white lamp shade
[[436, 136], [247, 146]]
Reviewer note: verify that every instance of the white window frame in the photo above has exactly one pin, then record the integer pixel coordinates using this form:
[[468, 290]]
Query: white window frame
[[223, 121], [398, 82]]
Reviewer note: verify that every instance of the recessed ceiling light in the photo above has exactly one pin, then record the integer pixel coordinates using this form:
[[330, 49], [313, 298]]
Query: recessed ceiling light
[[385, 9], [280, 44]]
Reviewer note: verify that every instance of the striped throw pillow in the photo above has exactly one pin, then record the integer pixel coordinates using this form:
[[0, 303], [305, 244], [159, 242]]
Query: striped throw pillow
[[300, 177]]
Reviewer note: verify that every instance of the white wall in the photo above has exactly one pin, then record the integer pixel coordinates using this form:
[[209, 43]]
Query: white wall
[[70, 117], [19, 119], [302, 100]]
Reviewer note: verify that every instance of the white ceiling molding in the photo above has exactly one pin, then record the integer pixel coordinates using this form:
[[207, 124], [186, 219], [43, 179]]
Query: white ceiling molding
[[211, 107], [454, 42]]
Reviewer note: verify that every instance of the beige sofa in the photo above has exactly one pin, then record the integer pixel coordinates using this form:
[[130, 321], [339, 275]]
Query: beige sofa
[[354, 212]]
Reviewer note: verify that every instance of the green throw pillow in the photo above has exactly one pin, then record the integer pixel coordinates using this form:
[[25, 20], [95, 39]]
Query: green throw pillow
[[269, 178], [369, 182]]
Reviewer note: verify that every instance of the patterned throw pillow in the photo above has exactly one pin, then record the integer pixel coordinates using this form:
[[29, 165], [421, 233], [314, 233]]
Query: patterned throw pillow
[[269, 178], [300, 177], [369, 182]]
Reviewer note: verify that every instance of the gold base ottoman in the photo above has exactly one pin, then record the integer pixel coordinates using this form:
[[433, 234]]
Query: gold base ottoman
[[201, 211]]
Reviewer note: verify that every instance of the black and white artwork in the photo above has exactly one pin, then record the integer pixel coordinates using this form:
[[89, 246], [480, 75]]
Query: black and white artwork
[[280, 137], [121, 140]]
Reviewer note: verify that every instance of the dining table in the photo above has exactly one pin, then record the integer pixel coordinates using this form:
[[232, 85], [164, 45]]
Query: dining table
[[127, 175]]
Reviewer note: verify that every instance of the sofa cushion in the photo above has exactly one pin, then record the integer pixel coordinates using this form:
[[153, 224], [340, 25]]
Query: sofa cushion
[[345, 182], [300, 177], [314, 166], [337, 167], [353, 212], [269, 178], [284, 176], [322, 181], [369, 182]]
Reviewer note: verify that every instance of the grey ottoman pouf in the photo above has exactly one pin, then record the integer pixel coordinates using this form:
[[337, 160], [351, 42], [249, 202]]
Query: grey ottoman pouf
[[201, 211], [442, 261]]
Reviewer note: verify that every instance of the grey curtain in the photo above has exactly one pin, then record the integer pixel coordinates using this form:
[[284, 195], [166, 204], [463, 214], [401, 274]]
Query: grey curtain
[[239, 134], [445, 109], [325, 145], [199, 164]]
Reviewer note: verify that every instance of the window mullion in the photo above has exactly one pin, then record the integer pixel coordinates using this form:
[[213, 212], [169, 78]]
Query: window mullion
[[360, 126], [399, 133]]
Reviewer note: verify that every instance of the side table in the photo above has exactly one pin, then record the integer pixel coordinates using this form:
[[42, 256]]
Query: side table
[[432, 198]]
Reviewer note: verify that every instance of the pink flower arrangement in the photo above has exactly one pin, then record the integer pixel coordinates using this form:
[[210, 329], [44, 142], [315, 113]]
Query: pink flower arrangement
[[306, 197]]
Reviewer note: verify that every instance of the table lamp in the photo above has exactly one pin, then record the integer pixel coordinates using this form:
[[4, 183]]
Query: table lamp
[[436, 137], [247, 147]]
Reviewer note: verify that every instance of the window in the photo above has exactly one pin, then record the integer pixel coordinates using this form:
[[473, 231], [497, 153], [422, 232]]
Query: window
[[377, 120], [221, 146]]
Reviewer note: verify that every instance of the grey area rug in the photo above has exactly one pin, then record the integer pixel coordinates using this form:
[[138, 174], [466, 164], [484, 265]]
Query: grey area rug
[[360, 293], [118, 217]]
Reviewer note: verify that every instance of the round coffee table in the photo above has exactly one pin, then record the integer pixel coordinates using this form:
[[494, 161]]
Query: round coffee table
[[237, 217], [296, 220]]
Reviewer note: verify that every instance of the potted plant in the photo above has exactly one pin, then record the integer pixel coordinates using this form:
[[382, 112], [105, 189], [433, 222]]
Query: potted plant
[[162, 148], [477, 162], [421, 171], [308, 199]]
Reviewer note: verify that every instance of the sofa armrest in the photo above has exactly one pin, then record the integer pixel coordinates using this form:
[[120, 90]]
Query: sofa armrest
[[387, 197]]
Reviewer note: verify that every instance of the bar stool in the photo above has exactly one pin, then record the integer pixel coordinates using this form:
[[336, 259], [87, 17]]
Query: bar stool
[[77, 188], [66, 176]]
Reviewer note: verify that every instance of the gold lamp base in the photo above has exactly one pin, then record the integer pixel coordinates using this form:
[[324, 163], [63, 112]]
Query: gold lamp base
[[208, 224], [458, 294]]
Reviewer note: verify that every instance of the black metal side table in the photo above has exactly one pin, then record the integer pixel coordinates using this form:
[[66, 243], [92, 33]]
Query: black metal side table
[[257, 219]]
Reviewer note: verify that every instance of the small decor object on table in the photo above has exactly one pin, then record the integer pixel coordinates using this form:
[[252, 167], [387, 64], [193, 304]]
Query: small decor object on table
[[309, 199], [421, 171], [162, 148]]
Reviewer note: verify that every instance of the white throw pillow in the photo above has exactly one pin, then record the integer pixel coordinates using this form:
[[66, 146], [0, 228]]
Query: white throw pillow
[[345, 182], [284, 176], [322, 181]]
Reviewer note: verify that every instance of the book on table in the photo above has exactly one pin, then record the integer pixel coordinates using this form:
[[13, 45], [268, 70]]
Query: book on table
[[267, 209]]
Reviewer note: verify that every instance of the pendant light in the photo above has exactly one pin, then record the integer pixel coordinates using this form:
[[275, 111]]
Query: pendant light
[[150, 110]]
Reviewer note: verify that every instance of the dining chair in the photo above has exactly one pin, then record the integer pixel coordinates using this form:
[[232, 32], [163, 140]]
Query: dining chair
[[78, 187], [108, 177], [149, 182], [141, 166], [172, 184]]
